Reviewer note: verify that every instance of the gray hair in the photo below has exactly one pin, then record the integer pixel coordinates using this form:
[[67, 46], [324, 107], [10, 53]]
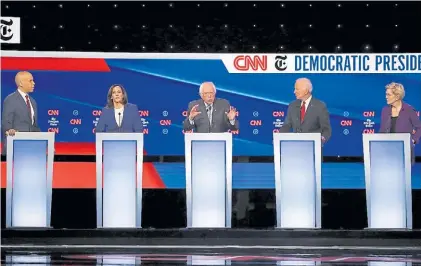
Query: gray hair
[[208, 82], [397, 89], [308, 82], [110, 103]]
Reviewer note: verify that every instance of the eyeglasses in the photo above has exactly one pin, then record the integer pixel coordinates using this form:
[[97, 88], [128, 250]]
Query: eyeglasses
[[208, 93]]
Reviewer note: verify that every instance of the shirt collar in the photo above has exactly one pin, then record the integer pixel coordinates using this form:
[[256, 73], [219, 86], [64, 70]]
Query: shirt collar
[[308, 100], [23, 94]]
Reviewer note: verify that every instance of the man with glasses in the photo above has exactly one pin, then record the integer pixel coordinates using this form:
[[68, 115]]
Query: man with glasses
[[210, 114]]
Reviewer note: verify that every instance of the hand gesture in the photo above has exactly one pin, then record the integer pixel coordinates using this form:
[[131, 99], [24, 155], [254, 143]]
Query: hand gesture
[[11, 132], [194, 112], [231, 114]]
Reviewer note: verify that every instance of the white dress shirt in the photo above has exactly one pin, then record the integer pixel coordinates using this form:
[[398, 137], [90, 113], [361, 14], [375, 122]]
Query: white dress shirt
[[23, 94], [307, 102], [119, 118]]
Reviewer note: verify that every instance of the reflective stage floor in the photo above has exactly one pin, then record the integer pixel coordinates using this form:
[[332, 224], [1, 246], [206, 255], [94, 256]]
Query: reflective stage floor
[[210, 256], [210, 247]]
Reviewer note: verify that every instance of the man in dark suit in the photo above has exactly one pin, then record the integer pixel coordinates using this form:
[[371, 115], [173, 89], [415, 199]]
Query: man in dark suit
[[210, 114], [307, 114], [20, 112]]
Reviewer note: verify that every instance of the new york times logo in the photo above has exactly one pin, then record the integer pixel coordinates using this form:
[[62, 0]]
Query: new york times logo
[[10, 30], [281, 62]]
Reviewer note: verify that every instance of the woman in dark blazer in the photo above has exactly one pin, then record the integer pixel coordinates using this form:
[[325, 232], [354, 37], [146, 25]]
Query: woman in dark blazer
[[400, 117], [119, 115]]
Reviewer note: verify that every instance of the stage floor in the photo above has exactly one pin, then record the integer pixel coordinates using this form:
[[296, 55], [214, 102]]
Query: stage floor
[[208, 256], [210, 247]]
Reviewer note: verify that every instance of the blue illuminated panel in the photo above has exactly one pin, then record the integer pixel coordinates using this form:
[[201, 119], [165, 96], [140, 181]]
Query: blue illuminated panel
[[387, 197], [298, 185], [119, 183], [29, 196], [208, 184]]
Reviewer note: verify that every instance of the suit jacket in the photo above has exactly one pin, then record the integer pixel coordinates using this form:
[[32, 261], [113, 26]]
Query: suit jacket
[[316, 119], [131, 121], [16, 116], [220, 121], [407, 122]]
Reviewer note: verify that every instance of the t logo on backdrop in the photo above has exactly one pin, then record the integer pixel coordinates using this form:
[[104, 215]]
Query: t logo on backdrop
[[281, 62], [10, 30]]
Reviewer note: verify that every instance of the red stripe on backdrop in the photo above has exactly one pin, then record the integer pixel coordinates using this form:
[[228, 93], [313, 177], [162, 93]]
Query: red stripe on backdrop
[[83, 175], [54, 64], [73, 148]]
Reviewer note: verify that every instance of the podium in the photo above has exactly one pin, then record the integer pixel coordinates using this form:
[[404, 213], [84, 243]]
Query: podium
[[119, 168], [30, 157], [208, 179], [387, 166], [298, 179]]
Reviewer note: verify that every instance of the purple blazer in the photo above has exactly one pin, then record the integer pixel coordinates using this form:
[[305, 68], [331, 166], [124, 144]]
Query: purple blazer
[[407, 122]]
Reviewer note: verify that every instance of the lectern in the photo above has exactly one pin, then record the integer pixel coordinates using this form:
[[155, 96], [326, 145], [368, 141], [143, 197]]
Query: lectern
[[30, 157], [208, 179], [119, 168], [298, 179], [387, 166]]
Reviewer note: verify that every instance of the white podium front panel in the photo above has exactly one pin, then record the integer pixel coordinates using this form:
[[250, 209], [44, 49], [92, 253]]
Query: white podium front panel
[[202, 260], [208, 179], [32, 259], [208, 184], [298, 179], [389, 263], [387, 163], [118, 260], [119, 179], [30, 158]]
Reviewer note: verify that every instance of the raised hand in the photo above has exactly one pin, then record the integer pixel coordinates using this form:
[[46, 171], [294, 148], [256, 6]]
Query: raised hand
[[194, 112], [231, 114]]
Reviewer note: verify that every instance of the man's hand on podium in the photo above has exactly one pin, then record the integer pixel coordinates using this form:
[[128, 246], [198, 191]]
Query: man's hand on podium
[[11, 132]]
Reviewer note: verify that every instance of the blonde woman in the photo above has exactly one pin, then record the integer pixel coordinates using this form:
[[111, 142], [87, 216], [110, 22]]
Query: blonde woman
[[398, 116]]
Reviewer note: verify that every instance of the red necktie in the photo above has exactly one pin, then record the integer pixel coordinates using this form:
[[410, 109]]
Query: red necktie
[[303, 111], [28, 105]]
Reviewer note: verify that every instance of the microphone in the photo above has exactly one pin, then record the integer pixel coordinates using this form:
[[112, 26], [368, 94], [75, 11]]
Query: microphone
[[119, 121]]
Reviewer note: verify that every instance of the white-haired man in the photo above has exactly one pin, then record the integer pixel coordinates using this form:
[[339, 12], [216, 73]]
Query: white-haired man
[[210, 114], [307, 114]]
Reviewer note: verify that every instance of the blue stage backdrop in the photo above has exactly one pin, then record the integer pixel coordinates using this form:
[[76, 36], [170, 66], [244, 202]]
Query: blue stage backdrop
[[71, 91]]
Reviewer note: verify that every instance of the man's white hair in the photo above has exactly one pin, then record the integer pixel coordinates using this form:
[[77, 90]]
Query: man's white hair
[[308, 83], [203, 84]]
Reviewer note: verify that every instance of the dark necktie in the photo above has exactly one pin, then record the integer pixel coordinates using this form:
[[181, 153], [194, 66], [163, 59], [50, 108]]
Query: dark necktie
[[209, 111], [28, 105], [303, 111]]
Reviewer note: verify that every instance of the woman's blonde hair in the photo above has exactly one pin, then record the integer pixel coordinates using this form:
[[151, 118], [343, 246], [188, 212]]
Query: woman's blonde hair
[[397, 89]]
